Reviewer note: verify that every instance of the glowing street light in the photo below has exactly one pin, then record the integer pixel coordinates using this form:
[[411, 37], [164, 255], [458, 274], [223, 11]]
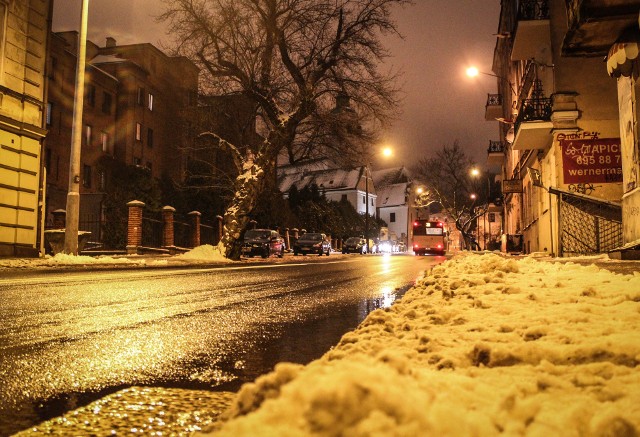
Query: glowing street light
[[387, 152], [472, 72]]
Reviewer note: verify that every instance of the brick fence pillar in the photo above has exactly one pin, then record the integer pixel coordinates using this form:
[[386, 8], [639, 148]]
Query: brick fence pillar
[[219, 234], [195, 228], [167, 226], [134, 226], [287, 239], [59, 219]]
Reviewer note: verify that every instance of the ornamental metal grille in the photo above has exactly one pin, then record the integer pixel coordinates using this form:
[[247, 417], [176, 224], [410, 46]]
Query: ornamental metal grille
[[588, 225]]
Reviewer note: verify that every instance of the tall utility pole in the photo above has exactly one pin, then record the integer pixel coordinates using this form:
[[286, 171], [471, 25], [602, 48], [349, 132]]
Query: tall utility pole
[[366, 205], [73, 195]]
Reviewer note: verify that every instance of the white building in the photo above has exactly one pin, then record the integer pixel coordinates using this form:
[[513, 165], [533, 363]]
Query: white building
[[334, 183], [396, 201]]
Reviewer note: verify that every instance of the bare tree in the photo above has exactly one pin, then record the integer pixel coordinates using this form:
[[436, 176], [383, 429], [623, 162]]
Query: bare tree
[[291, 58], [447, 176]]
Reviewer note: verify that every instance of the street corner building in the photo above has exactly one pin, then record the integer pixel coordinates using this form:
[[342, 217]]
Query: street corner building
[[24, 30], [568, 144]]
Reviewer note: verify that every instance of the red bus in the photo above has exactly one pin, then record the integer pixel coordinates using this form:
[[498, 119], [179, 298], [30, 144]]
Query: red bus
[[429, 237]]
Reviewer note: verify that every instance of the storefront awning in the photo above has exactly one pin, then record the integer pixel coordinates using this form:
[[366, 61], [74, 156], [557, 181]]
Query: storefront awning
[[624, 53]]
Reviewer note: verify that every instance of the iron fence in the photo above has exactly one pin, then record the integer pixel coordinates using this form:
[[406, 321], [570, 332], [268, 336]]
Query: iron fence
[[208, 234], [587, 225], [533, 10], [182, 230], [152, 229]]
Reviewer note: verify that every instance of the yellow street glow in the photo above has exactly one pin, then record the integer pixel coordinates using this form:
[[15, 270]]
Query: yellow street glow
[[472, 72], [387, 151]]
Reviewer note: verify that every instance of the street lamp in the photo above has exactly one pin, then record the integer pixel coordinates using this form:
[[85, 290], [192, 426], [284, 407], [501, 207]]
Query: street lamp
[[73, 194], [474, 72]]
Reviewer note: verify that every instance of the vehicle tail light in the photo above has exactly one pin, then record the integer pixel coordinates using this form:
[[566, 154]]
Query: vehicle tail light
[[439, 246]]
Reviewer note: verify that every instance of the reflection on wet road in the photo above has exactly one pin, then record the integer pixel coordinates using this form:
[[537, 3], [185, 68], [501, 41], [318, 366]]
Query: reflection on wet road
[[67, 339]]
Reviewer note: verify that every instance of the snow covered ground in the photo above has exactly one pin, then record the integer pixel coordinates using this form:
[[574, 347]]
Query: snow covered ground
[[484, 345]]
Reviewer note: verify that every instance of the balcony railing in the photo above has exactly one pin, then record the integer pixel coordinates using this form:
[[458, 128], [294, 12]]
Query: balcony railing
[[536, 109], [533, 10], [494, 100], [496, 147]]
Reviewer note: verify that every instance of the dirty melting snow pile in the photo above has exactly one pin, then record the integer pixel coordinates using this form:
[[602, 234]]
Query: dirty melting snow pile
[[483, 345]]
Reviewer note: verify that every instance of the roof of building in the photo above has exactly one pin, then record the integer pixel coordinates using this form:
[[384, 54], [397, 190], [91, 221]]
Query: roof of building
[[327, 179], [389, 176], [392, 195]]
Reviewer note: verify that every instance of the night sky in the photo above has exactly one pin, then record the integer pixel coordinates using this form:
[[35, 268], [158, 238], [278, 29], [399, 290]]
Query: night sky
[[442, 37]]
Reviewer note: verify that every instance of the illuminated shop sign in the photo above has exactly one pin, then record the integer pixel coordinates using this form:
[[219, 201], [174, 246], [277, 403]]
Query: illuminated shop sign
[[591, 160]]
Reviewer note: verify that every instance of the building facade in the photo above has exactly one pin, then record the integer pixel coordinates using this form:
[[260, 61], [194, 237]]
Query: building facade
[[609, 29], [396, 202], [24, 31], [354, 185], [560, 146], [135, 101]]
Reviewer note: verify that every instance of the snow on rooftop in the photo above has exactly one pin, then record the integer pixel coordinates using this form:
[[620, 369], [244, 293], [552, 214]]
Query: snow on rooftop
[[483, 345], [392, 195]]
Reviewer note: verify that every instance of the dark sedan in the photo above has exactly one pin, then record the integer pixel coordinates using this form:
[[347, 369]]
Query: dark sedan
[[354, 245], [312, 242], [263, 242]]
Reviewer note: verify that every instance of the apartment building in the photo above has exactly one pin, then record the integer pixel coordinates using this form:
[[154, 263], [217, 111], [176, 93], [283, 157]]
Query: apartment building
[[559, 146], [134, 106], [24, 30], [98, 127]]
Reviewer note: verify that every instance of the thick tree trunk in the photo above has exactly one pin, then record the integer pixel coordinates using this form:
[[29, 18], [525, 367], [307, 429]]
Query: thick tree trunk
[[248, 186]]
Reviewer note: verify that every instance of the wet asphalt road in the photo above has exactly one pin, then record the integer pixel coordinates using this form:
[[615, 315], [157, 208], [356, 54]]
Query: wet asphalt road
[[69, 338]]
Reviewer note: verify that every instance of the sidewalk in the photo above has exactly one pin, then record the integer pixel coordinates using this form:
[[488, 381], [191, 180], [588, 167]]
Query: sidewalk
[[484, 345]]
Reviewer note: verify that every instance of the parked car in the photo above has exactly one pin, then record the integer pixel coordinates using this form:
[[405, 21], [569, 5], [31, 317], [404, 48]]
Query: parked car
[[355, 245], [312, 242], [262, 242]]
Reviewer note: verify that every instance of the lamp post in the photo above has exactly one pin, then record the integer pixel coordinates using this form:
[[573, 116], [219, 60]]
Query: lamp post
[[73, 194], [474, 72], [366, 205]]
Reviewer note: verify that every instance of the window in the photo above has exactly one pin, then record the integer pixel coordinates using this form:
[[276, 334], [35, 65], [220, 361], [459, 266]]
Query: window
[[54, 64], [150, 102], [492, 217], [47, 160], [140, 97], [363, 200], [106, 102], [138, 132], [150, 137], [86, 176], [104, 140], [91, 95], [49, 111], [3, 15], [344, 198], [372, 201], [87, 135], [103, 180], [392, 217]]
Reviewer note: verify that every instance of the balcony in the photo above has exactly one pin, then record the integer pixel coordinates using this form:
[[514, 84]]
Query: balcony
[[495, 153], [595, 25], [533, 125], [493, 108], [533, 34]]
